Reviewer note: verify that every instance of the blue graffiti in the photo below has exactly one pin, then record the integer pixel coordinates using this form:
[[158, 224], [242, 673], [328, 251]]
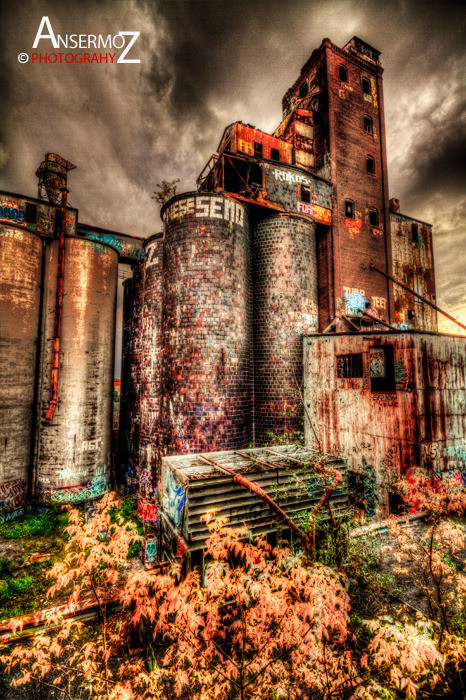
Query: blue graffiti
[[355, 303], [12, 214], [176, 499]]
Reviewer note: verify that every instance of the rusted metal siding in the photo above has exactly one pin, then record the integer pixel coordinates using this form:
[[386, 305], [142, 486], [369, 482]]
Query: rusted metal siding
[[15, 211], [74, 448], [207, 325], [20, 277], [420, 423], [242, 137], [190, 488], [413, 264]]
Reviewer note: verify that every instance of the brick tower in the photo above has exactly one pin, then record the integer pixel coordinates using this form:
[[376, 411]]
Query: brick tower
[[342, 90]]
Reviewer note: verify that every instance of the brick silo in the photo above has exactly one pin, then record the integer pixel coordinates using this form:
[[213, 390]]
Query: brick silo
[[73, 459], [285, 305], [151, 358], [20, 279], [207, 324]]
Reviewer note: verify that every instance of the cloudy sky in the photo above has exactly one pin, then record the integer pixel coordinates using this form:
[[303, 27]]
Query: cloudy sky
[[207, 63]]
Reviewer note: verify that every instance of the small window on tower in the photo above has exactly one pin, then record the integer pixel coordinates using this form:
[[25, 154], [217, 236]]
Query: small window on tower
[[414, 233], [257, 149], [368, 125], [366, 86], [349, 209], [31, 213], [370, 165], [410, 315], [343, 73], [373, 217], [274, 154], [303, 90], [305, 194]]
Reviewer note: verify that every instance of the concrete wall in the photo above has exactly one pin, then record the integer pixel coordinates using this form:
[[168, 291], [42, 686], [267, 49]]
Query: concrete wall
[[421, 422]]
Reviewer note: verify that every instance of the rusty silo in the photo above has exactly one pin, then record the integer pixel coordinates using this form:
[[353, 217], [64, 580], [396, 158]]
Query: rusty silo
[[124, 423], [207, 324], [151, 358], [74, 447], [20, 280], [285, 305]]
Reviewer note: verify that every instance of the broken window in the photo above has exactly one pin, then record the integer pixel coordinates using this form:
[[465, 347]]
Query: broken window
[[414, 233], [257, 149], [349, 366], [368, 125], [343, 73], [274, 154], [410, 315], [349, 209], [373, 217], [305, 194], [366, 86], [30, 216], [370, 165], [303, 90], [382, 368]]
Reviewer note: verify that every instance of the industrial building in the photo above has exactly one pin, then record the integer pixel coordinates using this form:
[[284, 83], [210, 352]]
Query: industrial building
[[288, 235]]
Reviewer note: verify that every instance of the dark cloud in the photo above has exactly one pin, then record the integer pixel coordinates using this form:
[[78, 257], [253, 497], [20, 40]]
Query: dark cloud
[[207, 63]]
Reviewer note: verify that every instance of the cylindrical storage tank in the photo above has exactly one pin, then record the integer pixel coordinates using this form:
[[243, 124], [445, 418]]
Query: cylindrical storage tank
[[132, 386], [73, 459], [151, 359], [20, 279], [123, 453], [285, 306], [207, 324]]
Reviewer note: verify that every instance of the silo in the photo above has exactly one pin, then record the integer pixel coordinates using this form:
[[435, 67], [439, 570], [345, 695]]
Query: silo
[[123, 454], [206, 324], [151, 358], [285, 306], [73, 459], [20, 279]]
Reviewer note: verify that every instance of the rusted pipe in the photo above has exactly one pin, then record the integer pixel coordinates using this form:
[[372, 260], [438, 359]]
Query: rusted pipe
[[418, 296], [58, 311]]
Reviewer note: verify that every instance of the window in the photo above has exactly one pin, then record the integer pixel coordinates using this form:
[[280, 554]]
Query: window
[[366, 86], [368, 125], [274, 154], [31, 213], [349, 366], [343, 73], [414, 233], [303, 90], [373, 217], [410, 315], [382, 368], [349, 209], [257, 149], [370, 165], [305, 194]]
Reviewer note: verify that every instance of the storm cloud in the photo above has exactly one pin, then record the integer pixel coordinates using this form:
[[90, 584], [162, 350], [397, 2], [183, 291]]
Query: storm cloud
[[207, 63]]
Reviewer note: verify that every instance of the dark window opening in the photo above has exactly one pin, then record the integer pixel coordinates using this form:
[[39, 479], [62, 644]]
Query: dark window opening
[[368, 125], [373, 217], [410, 315], [370, 165], [305, 194], [414, 233], [343, 73], [303, 90], [31, 213], [349, 366], [257, 149], [366, 86], [349, 209], [382, 368], [274, 154], [57, 220]]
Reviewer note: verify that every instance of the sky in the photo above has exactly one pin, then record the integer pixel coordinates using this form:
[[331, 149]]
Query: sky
[[207, 63]]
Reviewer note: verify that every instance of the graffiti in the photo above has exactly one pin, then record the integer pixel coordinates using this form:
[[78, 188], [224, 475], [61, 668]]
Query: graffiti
[[175, 500], [377, 362], [305, 208], [322, 215], [12, 494], [132, 250], [4, 517], [379, 302], [374, 92], [205, 208], [12, 213], [385, 400], [150, 551], [377, 231], [355, 303], [353, 225], [458, 451], [291, 178], [148, 512], [74, 494], [181, 549], [145, 481]]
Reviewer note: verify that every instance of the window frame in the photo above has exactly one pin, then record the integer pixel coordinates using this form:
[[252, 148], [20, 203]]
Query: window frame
[[344, 69], [272, 151], [306, 191], [387, 384], [370, 122], [414, 228], [370, 159], [349, 201], [373, 210], [366, 80], [351, 366], [258, 149]]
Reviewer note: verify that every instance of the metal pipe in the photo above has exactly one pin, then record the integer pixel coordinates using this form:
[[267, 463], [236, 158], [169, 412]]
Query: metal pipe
[[58, 310], [418, 296]]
